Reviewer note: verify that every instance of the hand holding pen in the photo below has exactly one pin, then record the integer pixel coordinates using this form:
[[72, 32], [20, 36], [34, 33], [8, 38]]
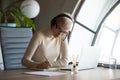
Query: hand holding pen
[[45, 65]]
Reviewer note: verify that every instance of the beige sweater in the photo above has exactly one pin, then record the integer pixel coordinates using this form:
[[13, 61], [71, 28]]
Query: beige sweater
[[44, 44]]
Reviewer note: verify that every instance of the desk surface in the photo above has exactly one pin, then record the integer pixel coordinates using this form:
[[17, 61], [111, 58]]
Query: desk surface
[[91, 74]]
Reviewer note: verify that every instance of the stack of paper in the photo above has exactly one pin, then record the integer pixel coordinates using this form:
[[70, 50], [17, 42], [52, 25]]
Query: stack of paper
[[45, 73]]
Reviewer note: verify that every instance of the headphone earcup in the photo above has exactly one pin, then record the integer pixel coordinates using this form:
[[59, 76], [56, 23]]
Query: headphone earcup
[[53, 21]]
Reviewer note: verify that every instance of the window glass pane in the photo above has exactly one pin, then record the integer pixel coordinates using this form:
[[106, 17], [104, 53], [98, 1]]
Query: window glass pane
[[79, 36], [116, 50], [106, 40], [90, 12], [109, 38], [113, 20]]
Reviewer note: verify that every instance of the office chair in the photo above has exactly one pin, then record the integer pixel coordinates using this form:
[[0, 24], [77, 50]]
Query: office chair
[[14, 42]]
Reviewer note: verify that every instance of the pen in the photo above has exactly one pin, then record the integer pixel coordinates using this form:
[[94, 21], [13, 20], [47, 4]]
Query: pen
[[45, 58], [48, 63]]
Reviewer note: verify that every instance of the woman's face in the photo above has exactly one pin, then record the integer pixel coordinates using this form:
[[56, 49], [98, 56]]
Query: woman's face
[[63, 28]]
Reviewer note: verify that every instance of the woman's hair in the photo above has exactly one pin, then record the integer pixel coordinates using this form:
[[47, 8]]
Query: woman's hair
[[55, 19]]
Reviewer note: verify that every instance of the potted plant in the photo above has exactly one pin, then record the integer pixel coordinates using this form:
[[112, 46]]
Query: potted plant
[[13, 14]]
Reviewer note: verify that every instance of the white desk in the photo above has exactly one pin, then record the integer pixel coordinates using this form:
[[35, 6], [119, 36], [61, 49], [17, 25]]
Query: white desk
[[92, 74]]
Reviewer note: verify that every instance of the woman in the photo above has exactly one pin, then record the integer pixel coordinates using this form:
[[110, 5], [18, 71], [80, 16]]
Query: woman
[[49, 47]]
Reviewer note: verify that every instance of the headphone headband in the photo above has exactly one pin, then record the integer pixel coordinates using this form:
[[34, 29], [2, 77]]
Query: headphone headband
[[53, 21]]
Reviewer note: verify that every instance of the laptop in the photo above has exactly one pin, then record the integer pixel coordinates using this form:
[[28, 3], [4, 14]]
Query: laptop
[[88, 59]]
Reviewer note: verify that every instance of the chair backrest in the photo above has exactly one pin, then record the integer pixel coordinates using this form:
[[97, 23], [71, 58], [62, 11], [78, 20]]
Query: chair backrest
[[14, 42]]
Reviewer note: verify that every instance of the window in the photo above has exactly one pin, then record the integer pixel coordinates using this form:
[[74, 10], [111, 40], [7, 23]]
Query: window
[[106, 41], [90, 12], [80, 36], [84, 29], [109, 36], [98, 23]]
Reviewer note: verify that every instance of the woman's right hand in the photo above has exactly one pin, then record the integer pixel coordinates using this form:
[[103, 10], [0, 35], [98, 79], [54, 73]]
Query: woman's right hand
[[44, 65]]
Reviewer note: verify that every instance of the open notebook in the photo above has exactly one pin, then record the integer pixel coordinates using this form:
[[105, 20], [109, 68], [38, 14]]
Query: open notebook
[[88, 58]]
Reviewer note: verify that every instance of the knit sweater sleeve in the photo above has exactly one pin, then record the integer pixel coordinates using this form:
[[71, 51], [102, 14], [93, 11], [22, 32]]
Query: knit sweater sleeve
[[27, 58], [64, 56]]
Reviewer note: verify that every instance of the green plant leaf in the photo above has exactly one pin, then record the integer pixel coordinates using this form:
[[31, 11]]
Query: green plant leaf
[[17, 21], [21, 20]]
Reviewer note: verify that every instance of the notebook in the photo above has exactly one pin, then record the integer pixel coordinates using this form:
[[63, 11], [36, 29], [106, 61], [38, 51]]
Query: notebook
[[88, 59]]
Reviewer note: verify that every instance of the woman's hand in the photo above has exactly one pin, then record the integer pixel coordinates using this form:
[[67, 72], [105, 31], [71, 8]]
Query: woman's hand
[[44, 65]]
